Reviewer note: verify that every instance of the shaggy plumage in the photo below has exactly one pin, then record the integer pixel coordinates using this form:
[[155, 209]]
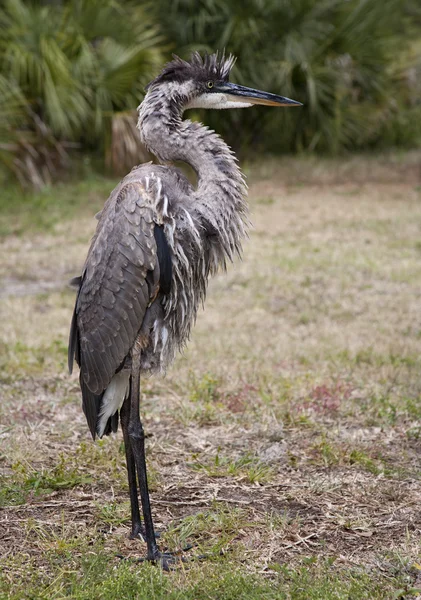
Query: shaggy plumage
[[157, 242], [199, 69]]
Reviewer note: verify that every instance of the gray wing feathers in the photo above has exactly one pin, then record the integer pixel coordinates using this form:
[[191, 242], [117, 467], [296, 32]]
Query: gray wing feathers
[[120, 278], [73, 351]]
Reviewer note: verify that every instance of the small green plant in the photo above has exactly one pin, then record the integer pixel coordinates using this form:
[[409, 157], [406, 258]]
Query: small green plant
[[205, 389], [26, 481], [358, 457], [212, 529], [247, 467], [114, 513], [64, 475], [327, 452]]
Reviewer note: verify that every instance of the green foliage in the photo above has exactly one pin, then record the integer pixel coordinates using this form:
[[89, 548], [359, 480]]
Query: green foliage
[[247, 467], [73, 72], [73, 67], [42, 210], [93, 574], [27, 481], [210, 531], [336, 57], [205, 389]]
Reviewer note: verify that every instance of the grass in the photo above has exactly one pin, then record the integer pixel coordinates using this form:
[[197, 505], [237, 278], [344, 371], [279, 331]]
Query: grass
[[43, 211], [247, 467], [284, 443], [89, 576]]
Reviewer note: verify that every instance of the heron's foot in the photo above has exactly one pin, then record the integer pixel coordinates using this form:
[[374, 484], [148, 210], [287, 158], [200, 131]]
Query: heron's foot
[[166, 560]]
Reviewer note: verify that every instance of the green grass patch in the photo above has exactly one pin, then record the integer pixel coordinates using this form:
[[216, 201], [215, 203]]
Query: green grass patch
[[211, 531], [40, 211], [18, 360], [26, 481], [359, 457], [89, 572], [91, 462], [247, 467], [205, 389]]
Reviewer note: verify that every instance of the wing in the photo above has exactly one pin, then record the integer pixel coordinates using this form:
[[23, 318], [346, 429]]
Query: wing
[[119, 281]]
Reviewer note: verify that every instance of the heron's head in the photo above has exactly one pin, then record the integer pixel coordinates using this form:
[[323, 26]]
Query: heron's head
[[204, 83]]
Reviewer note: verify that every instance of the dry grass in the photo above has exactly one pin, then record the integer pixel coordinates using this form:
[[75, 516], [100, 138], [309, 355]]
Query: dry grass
[[288, 434]]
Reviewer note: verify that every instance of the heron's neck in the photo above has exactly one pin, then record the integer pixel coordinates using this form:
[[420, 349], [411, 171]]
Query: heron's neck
[[221, 188]]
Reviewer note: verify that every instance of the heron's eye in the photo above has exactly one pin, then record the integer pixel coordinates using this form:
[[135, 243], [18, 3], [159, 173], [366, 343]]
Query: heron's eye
[[210, 84]]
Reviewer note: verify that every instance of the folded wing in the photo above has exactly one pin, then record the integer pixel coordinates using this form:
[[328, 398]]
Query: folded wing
[[119, 280]]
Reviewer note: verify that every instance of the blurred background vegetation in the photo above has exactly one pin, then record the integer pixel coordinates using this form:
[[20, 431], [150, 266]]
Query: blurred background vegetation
[[72, 73]]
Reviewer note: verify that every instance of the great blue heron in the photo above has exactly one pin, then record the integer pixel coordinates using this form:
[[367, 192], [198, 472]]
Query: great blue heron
[[157, 241]]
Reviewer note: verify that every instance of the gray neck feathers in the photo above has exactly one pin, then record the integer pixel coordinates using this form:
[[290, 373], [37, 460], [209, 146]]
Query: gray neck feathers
[[220, 195]]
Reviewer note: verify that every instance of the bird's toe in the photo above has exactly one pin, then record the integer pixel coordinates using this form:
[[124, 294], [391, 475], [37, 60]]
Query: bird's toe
[[167, 560]]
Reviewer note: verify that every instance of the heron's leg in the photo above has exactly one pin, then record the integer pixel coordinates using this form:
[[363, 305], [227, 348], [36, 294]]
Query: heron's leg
[[137, 441], [137, 528]]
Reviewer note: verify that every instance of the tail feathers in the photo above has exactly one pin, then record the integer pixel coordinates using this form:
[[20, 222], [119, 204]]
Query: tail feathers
[[91, 404], [112, 424], [111, 402], [101, 410]]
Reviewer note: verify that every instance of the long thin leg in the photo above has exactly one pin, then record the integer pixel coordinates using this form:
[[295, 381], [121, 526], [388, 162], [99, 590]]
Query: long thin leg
[[137, 528], [137, 440]]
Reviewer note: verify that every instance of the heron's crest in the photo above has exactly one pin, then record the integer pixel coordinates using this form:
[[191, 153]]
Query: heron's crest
[[210, 66]]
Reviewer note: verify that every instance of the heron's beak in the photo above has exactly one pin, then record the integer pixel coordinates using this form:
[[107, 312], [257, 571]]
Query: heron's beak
[[239, 93]]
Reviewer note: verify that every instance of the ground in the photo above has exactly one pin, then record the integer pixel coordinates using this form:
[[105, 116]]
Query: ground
[[284, 444]]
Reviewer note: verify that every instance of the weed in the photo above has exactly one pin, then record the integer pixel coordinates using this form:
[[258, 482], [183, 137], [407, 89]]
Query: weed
[[358, 457], [206, 389], [325, 450], [246, 467]]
